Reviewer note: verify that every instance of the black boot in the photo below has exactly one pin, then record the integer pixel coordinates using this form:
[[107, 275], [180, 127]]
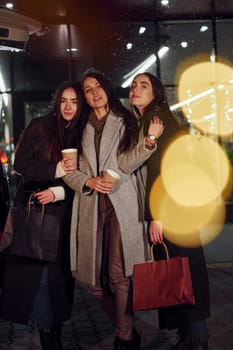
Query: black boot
[[136, 340], [120, 344], [197, 345], [51, 339], [184, 343]]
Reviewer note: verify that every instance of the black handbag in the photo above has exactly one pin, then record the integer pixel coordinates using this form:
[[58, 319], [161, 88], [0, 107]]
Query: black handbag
[[35, 230]]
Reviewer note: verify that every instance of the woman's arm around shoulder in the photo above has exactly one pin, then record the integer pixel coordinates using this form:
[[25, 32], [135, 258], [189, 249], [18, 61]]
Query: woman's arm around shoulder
[[132, 159]]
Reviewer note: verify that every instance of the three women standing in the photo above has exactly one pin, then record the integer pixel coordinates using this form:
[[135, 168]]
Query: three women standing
[[106, 234], [147, 97]]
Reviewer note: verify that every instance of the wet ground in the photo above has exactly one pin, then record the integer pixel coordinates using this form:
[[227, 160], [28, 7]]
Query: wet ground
[[90, 329]]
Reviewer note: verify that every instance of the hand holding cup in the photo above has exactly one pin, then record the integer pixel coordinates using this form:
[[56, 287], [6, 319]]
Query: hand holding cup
[[70, 158], [111, 176]]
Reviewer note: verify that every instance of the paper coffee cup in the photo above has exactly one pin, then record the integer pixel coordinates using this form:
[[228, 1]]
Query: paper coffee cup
[[111, 176], [71, 153]]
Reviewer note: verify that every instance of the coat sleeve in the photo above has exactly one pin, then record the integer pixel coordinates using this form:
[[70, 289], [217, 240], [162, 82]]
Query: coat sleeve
[[27, 158], [131, 160], [76, 181]]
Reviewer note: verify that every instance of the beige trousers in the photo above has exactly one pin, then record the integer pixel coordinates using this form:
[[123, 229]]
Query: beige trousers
[[110, 270]]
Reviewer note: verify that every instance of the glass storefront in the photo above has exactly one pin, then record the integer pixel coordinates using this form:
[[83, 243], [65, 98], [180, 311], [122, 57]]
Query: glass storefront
[[192, 57]]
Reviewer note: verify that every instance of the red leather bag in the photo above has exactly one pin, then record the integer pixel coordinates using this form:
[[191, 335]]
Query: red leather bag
[[162, 283]]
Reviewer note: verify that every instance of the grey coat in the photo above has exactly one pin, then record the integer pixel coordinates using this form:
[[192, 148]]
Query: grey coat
[[124, 200]]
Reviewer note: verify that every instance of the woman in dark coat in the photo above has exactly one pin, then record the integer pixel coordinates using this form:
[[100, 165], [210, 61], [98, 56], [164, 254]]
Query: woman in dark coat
[[30, 284], [148, 99]]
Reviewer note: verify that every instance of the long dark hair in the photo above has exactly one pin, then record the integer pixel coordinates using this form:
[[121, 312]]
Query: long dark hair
[[160, 102], [159, 91], [55, 132], [115, 106], [64, 134]]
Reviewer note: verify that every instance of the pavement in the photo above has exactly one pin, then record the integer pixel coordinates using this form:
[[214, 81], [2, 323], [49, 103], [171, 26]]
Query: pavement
[[90, 329]]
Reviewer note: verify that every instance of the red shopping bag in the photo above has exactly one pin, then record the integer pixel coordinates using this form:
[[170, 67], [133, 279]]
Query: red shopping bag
[[162, 283]]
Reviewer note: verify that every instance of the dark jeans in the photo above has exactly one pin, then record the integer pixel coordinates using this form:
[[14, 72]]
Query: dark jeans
[[42, 306]]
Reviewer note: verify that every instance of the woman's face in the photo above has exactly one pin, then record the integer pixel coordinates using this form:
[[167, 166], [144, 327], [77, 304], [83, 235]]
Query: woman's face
[[69, 104], [94, 93], [141, 92]]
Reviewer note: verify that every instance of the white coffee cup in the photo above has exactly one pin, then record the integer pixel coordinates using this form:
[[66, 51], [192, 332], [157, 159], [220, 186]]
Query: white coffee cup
[[70, 153], [111, 176]]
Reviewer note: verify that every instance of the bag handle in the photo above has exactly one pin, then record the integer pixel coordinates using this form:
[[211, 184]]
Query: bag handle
[[30, 203], [165, 249]]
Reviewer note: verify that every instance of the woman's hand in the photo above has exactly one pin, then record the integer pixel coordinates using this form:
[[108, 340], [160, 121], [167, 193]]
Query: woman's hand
[[45, 197], [68, 165], [156, 232], [156, 127], [99, 184]]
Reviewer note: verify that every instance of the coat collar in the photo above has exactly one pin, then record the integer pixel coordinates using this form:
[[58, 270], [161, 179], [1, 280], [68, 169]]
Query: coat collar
[[109, 137]]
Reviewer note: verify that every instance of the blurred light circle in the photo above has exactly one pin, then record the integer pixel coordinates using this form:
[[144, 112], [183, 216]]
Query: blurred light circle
[[195, 170], [185, 225], [206, 96]]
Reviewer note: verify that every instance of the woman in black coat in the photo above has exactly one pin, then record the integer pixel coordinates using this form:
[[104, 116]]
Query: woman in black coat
[[45, 287], [148, 99]]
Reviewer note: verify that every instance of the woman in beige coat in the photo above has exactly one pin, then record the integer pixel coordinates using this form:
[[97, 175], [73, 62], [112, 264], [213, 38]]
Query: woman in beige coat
[[106, 235]]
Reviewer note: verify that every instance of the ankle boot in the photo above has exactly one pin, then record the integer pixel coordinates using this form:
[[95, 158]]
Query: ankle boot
[[120, 344], [197, 345], [50, 339], [136, 340], [184, 343]]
